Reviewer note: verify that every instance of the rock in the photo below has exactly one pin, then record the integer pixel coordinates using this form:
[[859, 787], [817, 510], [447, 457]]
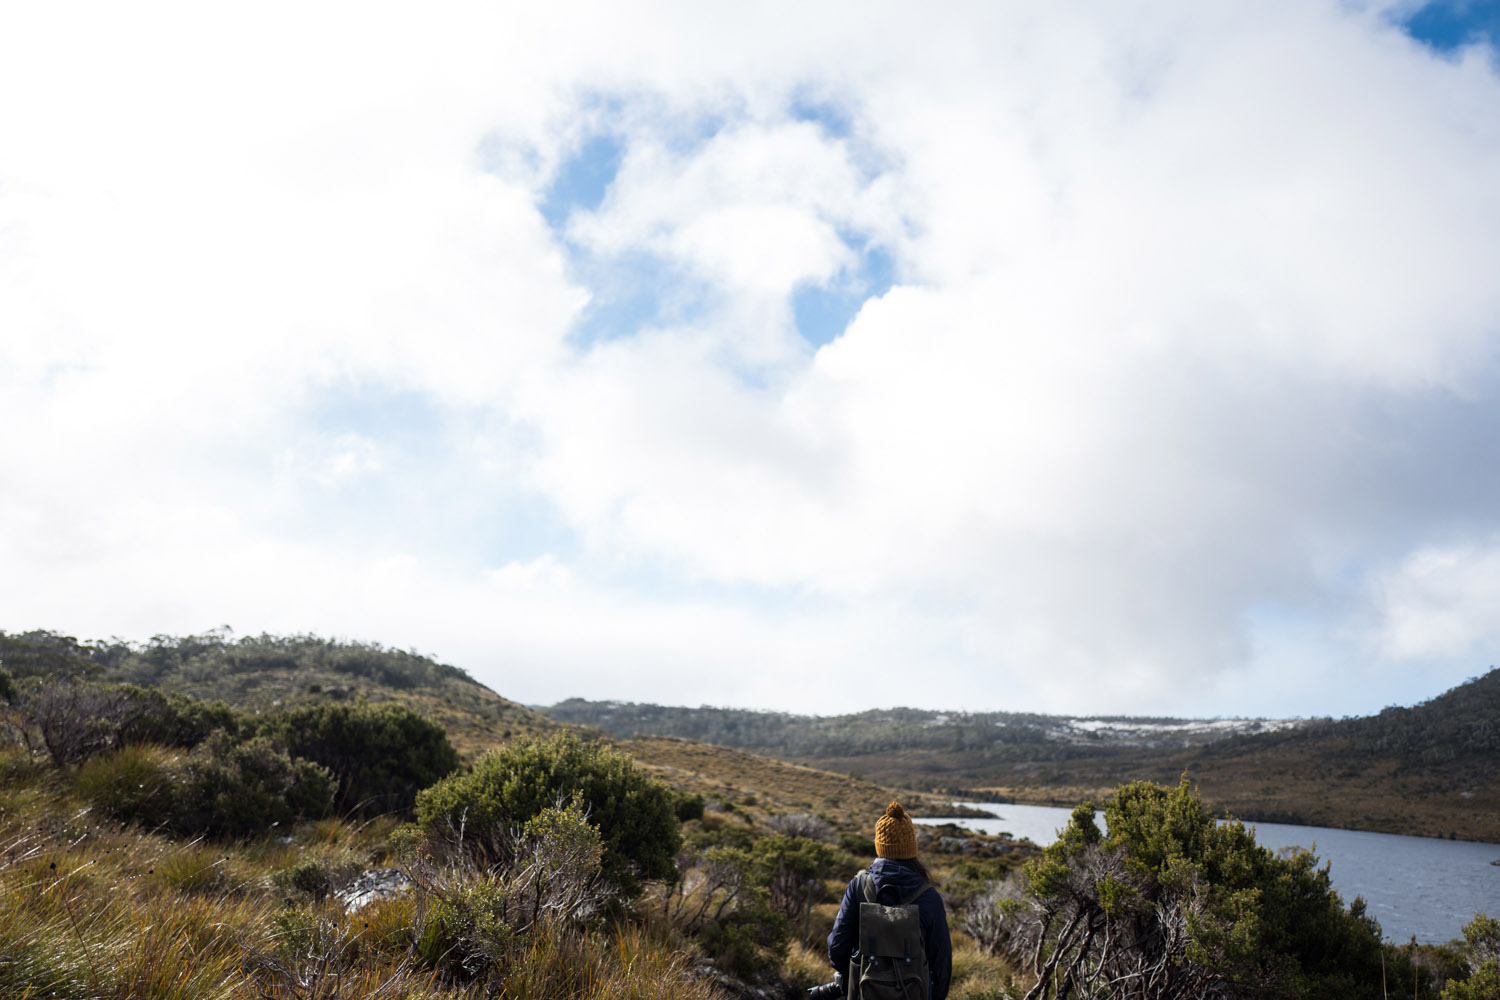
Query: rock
[[368, 886]]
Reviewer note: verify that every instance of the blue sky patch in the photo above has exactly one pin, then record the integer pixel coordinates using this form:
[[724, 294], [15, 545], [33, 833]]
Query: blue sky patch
[[827, 116], [824, 311], [581, 181], [1450, 24], [631, 292]]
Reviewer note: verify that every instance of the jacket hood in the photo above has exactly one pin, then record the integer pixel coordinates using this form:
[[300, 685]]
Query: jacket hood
[[901, 880]]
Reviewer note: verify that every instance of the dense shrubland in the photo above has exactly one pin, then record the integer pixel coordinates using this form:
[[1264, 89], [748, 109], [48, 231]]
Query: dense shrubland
[[190, 767], [209, 866], [258, 673], [553, 867], [1171, 905]]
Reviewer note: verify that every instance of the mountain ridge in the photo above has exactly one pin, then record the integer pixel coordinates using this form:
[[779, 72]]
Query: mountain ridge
[[1431, 769]]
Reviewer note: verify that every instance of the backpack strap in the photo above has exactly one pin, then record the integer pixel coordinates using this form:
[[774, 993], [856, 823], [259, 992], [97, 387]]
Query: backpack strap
[[917, 893]]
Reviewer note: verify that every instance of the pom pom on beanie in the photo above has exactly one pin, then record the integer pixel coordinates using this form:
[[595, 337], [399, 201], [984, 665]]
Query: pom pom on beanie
[[895, 834]]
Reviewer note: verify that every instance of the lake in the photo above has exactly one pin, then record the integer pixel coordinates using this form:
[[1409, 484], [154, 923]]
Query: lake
[[1413, 885]]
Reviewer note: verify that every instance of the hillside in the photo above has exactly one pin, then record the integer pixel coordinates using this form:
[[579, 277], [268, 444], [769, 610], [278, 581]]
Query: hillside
[[1432, 769], [760, 788], [259, 672], [941, 751]]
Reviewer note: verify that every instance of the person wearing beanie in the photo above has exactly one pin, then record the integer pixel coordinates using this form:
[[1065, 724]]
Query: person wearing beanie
[[897, 874]]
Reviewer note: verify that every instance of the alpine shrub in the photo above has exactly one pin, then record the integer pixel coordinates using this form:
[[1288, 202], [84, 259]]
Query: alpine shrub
[[169, 719], [380, 756], [234, 789], [635, 815], [552, 882], [787, 866], [1482, 952], [76, 720], [1190, 908]]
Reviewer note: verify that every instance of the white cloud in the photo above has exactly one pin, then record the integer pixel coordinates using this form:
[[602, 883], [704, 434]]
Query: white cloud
[[1439, 603], [1193, 313]]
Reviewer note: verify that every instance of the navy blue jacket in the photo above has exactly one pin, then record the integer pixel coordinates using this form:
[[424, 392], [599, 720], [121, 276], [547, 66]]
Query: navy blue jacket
[[894, 881]]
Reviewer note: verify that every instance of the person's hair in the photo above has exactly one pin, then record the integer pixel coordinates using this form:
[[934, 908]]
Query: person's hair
[[917, 866]]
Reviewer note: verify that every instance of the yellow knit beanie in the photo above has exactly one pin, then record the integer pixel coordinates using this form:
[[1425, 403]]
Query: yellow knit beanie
[[895, 835]]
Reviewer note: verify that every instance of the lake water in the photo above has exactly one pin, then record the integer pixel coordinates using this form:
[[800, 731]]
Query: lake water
[[1413, 885]]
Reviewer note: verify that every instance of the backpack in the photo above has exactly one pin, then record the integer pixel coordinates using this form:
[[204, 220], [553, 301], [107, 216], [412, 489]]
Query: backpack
[[891, 963]]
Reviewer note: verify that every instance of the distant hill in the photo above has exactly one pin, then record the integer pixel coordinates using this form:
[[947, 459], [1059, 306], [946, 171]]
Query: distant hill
[[1432, 769], [953, 750], [258, 672], [967, 740]]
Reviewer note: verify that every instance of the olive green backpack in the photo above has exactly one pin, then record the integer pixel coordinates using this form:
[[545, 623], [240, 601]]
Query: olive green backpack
[[891, 963]]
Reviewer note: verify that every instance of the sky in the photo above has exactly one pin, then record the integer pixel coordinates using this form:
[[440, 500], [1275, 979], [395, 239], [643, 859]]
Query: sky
[[1082, 357]]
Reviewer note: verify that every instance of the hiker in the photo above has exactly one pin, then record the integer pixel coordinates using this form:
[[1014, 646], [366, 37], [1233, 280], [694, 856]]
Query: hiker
[[896, 879]]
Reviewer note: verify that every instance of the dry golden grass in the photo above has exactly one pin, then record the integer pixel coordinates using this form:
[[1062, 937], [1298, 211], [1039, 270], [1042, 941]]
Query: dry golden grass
[[93, 911], [759, 787]]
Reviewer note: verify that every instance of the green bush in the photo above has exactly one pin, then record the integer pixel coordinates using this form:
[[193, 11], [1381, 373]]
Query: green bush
[[1482, 952], [857, 844], [787, 866], [313, 876], [1169, 888], [635, 815], [750, 940], [223, 788], [687, 807], [173, 720], [723, 901], [464, 933], [380, 756], [7, 686], [715, 831], [232, 789]]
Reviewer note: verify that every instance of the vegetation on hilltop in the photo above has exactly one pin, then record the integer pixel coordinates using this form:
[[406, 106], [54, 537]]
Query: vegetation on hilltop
[[993, 737], [266, 671]]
